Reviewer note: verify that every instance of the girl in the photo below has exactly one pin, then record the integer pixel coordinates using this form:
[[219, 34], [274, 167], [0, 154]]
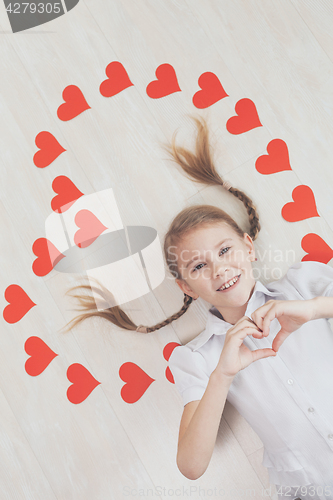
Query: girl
[[267, 349]]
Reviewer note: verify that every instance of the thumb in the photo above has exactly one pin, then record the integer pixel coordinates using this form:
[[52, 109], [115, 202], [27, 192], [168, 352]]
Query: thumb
[[263, 353], [279, 339]]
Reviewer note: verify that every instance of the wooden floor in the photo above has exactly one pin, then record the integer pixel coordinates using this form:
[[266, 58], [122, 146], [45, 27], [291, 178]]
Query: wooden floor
[[279, 54]]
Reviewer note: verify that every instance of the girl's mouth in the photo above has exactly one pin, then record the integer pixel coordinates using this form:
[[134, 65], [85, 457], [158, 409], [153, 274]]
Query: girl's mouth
[[229, 286]]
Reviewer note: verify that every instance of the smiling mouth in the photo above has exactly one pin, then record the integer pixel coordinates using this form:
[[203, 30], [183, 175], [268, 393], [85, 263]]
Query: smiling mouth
[[234, 281]]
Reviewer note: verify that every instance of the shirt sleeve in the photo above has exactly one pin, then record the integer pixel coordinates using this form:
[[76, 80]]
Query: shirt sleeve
[[189, 373], [311, 279]]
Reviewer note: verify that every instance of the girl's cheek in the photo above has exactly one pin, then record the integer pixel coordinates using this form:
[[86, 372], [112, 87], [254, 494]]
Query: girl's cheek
[[196, 279]]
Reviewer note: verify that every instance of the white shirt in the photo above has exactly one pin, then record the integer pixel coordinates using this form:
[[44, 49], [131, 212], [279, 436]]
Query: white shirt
[[288, 399]]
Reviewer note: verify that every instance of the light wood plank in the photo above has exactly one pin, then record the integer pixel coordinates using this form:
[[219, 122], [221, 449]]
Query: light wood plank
[[21, 474], [271, 52], [279, 55], [82, 449]]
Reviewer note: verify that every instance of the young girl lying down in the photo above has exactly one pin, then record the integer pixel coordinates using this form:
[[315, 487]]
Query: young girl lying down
[[267, 349]]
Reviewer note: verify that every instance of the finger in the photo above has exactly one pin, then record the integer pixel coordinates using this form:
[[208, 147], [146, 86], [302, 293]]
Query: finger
[[244, 332], [244, 320], [255, 324], [258, 335], [240, 320], [279, 339], [268, 317], [258, 320], [263, 353], [259, 314]]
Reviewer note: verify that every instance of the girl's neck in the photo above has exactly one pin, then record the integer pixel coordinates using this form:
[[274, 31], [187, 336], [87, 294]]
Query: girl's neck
[[233, 315]]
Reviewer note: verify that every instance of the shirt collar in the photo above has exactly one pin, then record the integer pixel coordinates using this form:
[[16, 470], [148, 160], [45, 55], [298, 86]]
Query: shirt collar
[[217, 326]]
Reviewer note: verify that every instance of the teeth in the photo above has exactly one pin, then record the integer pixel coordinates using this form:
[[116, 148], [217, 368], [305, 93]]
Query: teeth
[[229, 284]]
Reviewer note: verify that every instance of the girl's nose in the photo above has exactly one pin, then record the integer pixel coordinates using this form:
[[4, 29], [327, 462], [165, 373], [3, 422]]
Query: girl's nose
[[219, 270]]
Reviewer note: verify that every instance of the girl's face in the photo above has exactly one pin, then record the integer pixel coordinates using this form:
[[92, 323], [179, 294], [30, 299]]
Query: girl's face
[[211, 256]]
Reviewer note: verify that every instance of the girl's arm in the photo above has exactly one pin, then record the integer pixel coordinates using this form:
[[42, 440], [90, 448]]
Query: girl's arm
[[200, 420], [323, 307], [199, 427]]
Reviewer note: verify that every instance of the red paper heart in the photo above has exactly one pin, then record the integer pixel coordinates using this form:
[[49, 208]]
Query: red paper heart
[[169, 375], [47, 256], [165, 84], [317, 248], [90, 228], [117, 81], [83, 383], [303, 206], [166, 354], [247, 118], [212, 91], [49, 147], [137, 382], [74, 104], [168, 348], [277, 159], [19, 304], [68, 194], [41, 356]]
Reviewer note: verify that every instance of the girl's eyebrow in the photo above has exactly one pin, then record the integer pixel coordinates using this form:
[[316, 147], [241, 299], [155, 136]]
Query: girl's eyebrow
[[223, 241], [198, 258]]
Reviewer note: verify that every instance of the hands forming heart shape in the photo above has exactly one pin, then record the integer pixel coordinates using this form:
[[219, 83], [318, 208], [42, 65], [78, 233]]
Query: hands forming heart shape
[[291, 314]]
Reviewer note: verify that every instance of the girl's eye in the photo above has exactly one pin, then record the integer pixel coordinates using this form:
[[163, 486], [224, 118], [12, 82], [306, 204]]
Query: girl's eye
[[199, 266], [225, 248]]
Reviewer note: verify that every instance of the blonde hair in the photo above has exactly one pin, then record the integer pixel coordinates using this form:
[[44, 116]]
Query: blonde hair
[[200, 168]]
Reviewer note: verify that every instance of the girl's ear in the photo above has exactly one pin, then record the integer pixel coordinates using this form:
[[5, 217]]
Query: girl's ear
[[249, 243], [186, 289]]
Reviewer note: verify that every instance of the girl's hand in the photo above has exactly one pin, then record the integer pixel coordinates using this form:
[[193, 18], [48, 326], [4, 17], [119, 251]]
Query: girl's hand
[[291, 314], [235, 356]]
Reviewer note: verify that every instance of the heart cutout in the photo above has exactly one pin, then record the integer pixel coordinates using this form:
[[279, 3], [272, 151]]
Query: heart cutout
[[83, 383], [165, 84], [19, 304], [74, 104], [47, 256], [137, 382], [317, 248], [303, 206], [168, 348], [277, 159], [247, 118], [41, 356], [90, 228], [68, 193], [169, 375], [166, 354], [117, 81], [212, 91], [49, 147]]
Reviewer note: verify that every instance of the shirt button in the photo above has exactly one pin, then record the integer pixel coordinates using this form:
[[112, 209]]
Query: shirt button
[[290, 381], [330, 436], [311, 410]]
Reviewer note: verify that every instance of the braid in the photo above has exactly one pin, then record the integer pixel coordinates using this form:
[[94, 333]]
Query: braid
[[251, 210], [187, 302]]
